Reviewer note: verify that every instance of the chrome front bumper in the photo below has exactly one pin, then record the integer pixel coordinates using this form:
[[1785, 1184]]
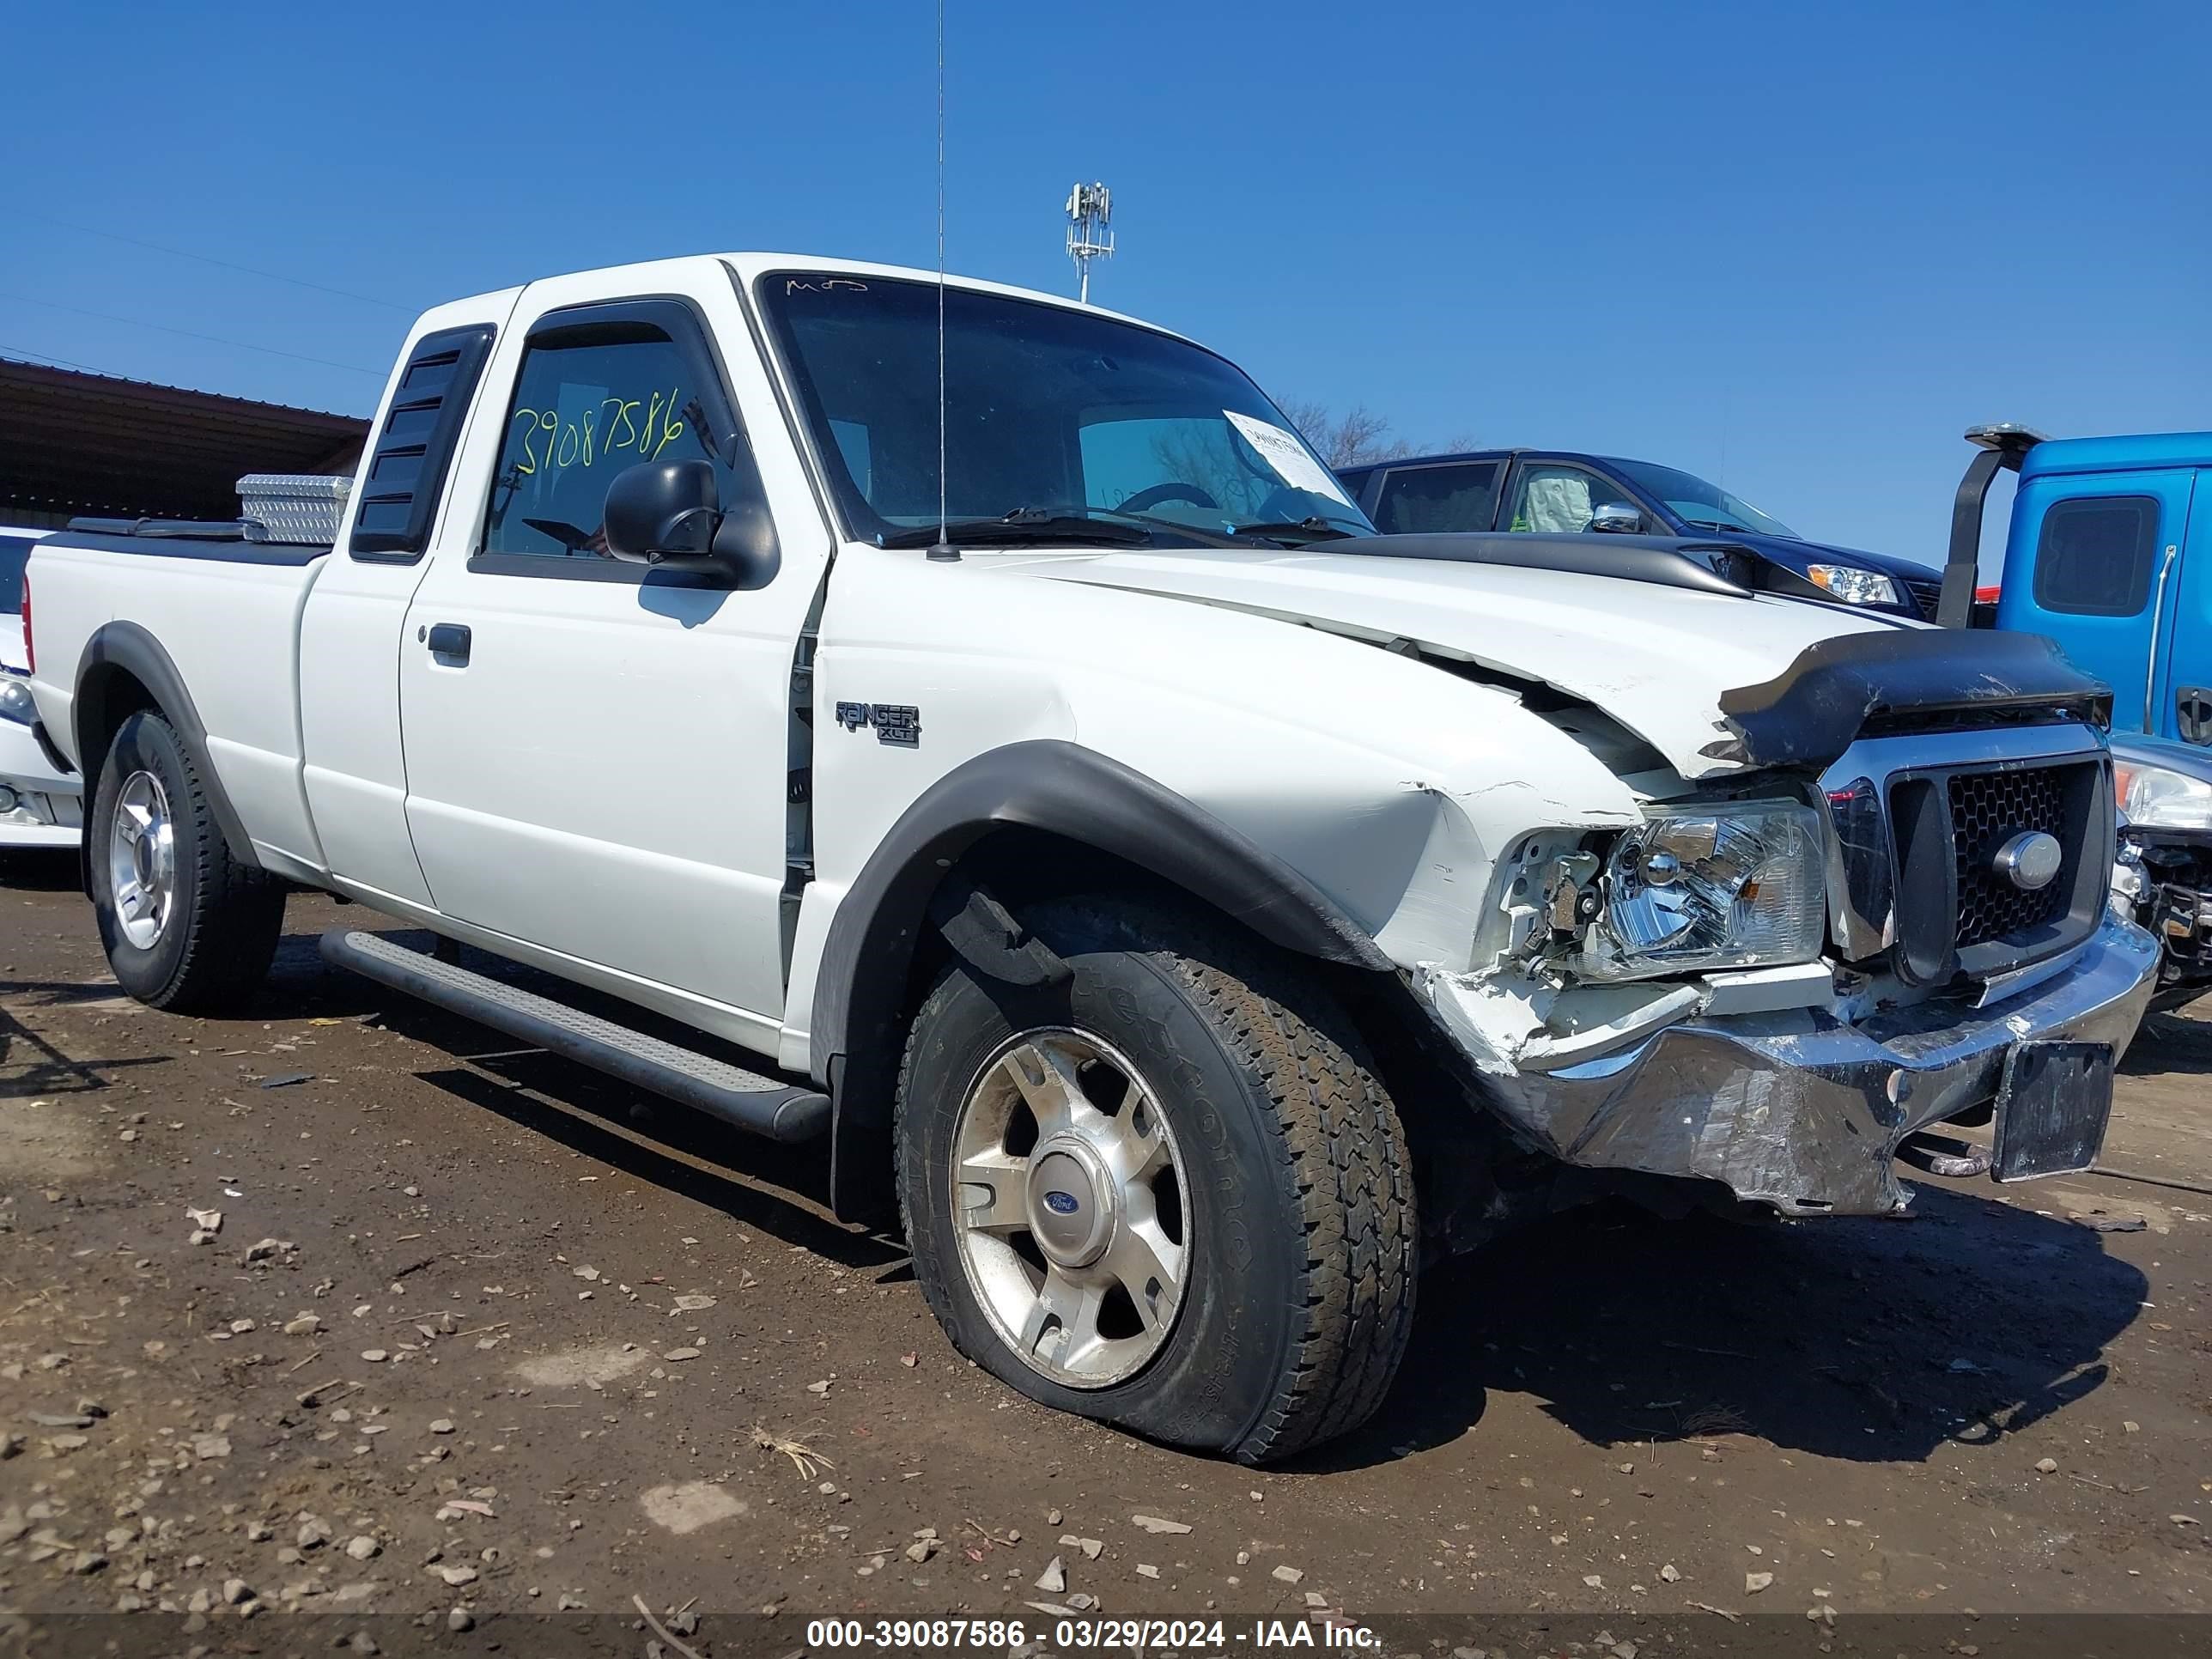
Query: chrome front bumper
[[1802, 1112]]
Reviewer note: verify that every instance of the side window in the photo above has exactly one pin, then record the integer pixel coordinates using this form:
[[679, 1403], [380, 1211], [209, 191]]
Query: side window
[[1553, 500], [1417, 499], [594, 397], [2093, 555]]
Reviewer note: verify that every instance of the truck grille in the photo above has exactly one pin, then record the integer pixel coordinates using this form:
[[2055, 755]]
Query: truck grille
[[1929, 871], [1987, 810], [1926, 595]]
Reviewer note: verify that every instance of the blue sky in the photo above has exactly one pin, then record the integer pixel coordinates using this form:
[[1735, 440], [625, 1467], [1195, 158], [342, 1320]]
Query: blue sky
[[1796, 248]]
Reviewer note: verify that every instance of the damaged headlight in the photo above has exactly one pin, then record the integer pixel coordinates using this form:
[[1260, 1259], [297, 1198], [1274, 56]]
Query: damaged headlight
[[1740, 887]]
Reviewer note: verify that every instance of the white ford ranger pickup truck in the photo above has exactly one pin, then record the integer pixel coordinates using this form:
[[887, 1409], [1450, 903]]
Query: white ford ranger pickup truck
[[1179, 905]]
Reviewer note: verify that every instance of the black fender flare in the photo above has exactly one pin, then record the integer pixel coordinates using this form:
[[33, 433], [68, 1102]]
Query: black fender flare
[[126, 647], [1066, 790]]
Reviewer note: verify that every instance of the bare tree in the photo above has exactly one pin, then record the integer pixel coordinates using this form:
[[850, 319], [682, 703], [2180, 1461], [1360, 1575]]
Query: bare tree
[[1233, 477], [1353, 439], [1360, 437]]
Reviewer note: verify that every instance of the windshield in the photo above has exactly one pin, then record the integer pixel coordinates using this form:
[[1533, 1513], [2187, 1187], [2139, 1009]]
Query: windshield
[[1704, 506], [1057, 413]]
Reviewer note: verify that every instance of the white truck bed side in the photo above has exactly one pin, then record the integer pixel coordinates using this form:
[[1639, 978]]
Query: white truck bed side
[[232, 629]]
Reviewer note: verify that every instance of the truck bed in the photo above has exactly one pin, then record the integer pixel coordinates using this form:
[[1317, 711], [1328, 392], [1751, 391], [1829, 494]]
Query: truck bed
[[223, 615], [228, 550]]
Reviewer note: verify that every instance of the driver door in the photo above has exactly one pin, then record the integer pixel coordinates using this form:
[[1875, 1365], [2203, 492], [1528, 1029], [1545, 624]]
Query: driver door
[[597, 752]]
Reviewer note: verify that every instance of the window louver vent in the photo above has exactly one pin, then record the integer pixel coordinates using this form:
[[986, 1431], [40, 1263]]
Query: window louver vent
[[399, 490]]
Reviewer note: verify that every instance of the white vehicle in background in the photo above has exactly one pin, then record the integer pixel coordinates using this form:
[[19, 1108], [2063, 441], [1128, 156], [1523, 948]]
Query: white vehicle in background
[[1183, 907], [39, 802]]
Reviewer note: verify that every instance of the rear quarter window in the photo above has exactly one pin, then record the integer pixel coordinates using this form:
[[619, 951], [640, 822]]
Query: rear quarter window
[[1418, 499], [2093, 555]]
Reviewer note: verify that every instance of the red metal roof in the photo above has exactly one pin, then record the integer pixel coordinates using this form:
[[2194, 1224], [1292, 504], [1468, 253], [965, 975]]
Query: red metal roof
[[74, 442]]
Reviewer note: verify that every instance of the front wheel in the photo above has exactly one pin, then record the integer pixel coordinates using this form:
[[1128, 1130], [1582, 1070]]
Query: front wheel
[[186, 927], [1166, 1192]]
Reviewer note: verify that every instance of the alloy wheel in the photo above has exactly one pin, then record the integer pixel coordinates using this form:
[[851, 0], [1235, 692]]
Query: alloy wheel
[[1072, 1211], [142, 860]]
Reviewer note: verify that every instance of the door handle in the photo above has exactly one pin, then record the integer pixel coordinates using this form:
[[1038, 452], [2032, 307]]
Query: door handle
[[2193, 709], [448, 640]]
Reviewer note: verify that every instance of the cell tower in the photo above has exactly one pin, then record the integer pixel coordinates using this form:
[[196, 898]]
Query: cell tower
[[1089, 230]]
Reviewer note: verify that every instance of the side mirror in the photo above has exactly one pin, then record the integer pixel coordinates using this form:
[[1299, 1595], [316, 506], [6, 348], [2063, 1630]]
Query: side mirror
[[667, 514], [1616, 518]]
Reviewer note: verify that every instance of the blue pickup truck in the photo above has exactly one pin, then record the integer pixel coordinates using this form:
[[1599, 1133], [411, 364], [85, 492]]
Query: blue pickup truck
[[1567, 492], [2110, 553]]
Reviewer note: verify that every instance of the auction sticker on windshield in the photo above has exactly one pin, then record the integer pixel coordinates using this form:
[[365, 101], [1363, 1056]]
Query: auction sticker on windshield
[[1293, 463]]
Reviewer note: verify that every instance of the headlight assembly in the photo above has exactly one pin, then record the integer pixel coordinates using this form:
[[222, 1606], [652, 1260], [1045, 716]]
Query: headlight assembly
[[1739, 886], [1853, 584], [2154, 796]]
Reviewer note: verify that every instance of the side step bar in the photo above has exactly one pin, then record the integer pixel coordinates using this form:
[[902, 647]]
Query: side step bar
[[742, 1099]]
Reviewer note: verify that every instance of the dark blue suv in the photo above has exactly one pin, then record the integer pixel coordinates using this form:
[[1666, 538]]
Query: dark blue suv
[[1562, 492]]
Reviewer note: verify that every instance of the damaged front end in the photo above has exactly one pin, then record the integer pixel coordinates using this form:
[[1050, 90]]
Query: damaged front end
[[2164, 876], [1872, 928], [1803, 1110]]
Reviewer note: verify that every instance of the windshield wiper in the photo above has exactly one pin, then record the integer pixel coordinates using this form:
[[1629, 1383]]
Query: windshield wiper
[[1105, 526], [1715, 524], [1314, 528], [1024, 524]]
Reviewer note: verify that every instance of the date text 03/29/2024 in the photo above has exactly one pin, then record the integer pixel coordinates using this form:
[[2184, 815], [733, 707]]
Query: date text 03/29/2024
[[1069, 1634]]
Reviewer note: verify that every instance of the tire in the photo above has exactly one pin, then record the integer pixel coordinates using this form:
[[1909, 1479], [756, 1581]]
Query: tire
[[1292, 1292], [206, 942]]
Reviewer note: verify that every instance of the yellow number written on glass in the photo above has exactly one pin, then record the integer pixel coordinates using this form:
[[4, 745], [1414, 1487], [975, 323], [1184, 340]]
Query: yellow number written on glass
[[624, 428]]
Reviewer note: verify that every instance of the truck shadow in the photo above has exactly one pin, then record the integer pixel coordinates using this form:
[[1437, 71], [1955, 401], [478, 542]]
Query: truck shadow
[[38, 870], [2176, 1044], [1870, 1340], [781, 1191]]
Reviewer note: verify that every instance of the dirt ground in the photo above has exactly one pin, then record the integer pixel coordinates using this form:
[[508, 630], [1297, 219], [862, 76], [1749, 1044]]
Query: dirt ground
[[481, 1337]]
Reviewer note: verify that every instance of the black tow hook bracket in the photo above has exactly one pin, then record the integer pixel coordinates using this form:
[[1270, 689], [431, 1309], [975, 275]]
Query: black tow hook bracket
[[984, 934], [1941, 1155]]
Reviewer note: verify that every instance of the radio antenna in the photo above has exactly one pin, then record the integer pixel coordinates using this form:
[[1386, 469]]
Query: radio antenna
[[944, 549]]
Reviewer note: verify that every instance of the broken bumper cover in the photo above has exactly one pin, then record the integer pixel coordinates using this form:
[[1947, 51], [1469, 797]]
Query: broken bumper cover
[[1802, 1112]]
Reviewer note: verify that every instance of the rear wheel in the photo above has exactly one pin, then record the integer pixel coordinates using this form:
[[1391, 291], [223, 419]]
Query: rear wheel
[[186, 926], [1166, 1192]]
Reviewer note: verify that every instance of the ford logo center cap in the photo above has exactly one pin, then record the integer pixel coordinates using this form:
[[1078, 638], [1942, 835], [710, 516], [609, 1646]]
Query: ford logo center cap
[[1061, 1203], [2030, 859]]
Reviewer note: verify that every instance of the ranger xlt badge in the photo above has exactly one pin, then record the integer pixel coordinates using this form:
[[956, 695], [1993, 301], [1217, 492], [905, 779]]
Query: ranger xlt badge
[[895, 722]]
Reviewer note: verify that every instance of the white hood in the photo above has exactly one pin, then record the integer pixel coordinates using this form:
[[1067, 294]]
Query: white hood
[[1655, 658]]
